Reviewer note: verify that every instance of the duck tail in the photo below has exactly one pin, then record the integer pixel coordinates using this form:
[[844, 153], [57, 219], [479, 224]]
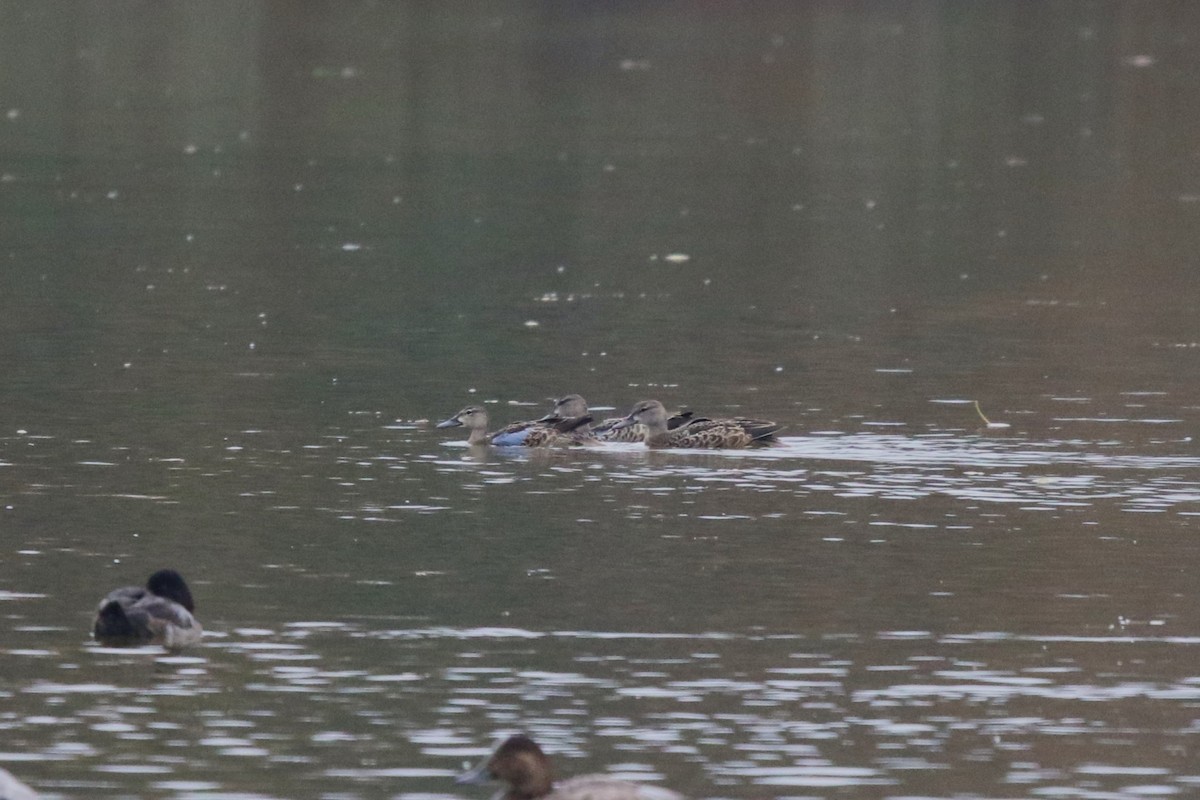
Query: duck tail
[[760, 430]]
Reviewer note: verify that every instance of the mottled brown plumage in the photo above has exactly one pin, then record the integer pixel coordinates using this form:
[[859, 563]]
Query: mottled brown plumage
[[535, 433], [520, 763], [574, 405], [712, 434]]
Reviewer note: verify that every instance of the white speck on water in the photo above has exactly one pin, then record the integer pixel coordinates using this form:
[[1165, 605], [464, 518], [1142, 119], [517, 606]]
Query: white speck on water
[[779, 369], [532, 323], [870, 204], [560, 269], [127, 364], [610, 167], [677, 258], [1140, 61], [13, 113], [298, 187], [351, 247], [252, 345], [113, 194]]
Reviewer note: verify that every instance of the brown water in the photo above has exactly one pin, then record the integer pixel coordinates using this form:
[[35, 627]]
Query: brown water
[[253, 250]]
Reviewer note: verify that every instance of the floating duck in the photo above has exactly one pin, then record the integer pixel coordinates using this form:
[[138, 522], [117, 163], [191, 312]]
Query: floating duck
[[158, 613], [574, 405], [535, 433], [736, 432], [520, 763]]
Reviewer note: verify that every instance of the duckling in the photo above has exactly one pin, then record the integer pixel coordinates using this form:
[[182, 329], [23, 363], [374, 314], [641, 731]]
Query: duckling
[[13, 789], [534, 433], [574, 405], [159, 613], [520, 763], [698, 433]]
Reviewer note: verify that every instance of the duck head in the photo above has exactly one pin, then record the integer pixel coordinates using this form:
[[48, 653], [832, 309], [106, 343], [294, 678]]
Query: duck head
[[520, 763], [572, 405], [169, 584], [649, 413], [472, 417]]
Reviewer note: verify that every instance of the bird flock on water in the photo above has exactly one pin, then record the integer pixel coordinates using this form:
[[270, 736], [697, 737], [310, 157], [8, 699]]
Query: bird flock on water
[[570, 423]]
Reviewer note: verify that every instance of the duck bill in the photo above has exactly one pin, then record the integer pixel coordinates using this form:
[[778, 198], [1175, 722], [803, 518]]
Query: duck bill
[[625, 422], [453, 422], [475, 775]]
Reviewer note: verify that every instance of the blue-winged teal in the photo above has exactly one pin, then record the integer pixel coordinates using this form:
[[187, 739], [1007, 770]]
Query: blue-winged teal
[[574, 405], [698, 433], [158, 613], [520, 763], [535, 433]]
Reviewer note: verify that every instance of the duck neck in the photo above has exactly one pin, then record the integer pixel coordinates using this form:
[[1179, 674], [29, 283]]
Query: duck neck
[[655, 428], [478, 435]]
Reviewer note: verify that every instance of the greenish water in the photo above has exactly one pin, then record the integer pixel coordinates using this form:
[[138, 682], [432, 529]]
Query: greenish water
[[251, 251]]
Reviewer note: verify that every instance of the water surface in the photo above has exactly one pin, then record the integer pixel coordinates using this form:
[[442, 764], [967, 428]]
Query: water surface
[[254, 252]]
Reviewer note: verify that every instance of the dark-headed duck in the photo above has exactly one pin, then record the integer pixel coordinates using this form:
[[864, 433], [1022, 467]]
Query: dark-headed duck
[[158, 613], [521, 764]]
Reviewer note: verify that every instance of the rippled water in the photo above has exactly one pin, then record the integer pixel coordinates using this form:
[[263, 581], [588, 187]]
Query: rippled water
[[875, 613], [252, 252]]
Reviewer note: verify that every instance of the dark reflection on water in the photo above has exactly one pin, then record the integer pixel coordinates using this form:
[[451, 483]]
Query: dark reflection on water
[[251, 250]]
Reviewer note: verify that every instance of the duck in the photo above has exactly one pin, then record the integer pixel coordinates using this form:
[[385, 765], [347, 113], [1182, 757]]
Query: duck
[[158, 613], [711, 434], [534, 433], [13, 789], [520, 763], [574, 405]]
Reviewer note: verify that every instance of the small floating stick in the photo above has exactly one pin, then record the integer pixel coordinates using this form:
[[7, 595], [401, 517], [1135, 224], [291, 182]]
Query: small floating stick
[[987, 422]]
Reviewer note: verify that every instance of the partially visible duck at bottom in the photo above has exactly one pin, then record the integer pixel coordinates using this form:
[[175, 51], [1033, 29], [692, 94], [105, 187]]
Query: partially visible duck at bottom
[[573, 406], [534, 433], [158, 613], [521, 764], [712, 434], [13, 789]]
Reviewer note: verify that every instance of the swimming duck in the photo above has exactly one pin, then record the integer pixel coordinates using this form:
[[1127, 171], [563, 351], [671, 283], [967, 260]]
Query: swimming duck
[[535, 433], [158, 613], [13, 789], [520, 763], [698, 433], [574, 405]]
